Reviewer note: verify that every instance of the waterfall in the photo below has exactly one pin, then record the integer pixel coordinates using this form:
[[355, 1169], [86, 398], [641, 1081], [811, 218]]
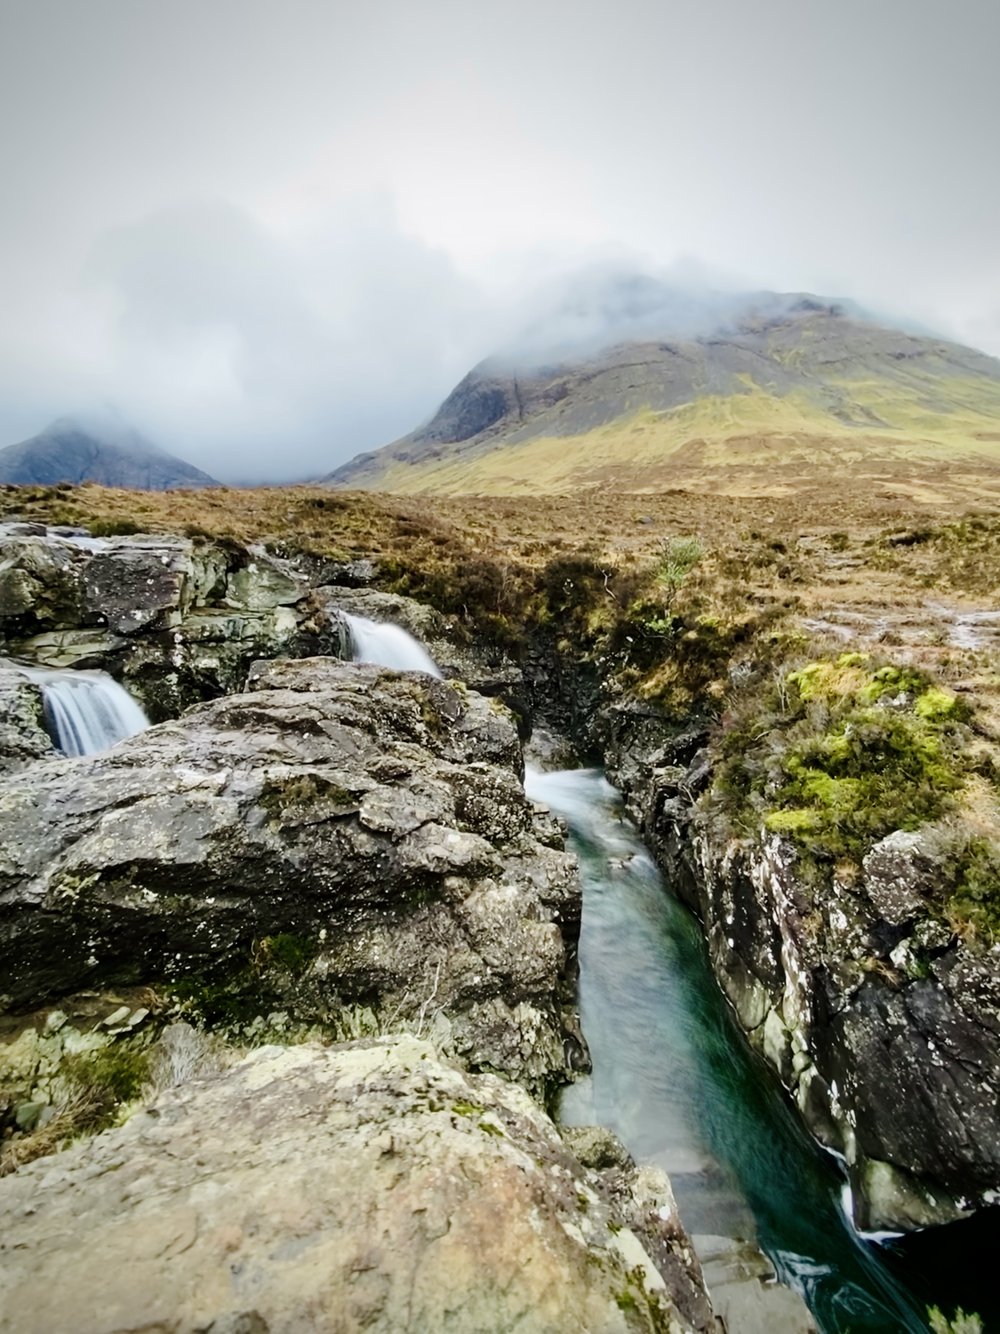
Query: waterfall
[[387, 646], [87, 711]]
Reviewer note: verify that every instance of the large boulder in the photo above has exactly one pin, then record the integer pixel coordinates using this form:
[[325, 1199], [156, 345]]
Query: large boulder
[[368, 1186], [177, 619], [364, 829]]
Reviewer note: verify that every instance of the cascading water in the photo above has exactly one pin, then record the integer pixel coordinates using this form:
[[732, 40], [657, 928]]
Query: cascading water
[[675, 1078], [387, 645], [87, 711]]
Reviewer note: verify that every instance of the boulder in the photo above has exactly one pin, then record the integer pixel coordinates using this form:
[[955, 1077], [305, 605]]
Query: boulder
[[366, 1186], [900, 874], [361, 835]]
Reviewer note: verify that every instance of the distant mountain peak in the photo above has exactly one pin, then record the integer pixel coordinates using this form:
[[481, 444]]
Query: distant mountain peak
[[97, 447]]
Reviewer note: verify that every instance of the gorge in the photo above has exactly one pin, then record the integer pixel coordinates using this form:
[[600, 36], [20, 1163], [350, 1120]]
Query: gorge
[[318, 785]]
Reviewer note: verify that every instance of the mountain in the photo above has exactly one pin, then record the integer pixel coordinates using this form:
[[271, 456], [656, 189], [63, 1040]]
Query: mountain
[[784, 391], [106, 451]]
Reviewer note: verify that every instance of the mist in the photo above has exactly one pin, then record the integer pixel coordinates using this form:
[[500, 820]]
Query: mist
[[272, 237]]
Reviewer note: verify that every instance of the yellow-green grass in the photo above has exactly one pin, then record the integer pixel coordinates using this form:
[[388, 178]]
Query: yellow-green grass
[[736, 436]]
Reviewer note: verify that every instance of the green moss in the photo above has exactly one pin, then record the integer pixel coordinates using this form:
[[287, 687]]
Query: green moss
[[827, 760], [795, 821], [937, 705], [104, 1080], [262, 982], [975, 902], [467, 1109], [290, 952]]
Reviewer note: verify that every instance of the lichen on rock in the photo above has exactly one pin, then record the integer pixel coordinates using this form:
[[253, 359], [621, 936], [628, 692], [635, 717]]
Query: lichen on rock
[[366, 1186]]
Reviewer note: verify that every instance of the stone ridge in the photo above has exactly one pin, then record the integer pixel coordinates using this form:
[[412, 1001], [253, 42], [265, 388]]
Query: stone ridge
[[370, 1186]]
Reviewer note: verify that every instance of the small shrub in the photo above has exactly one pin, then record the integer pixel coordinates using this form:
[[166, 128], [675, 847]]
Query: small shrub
[[114, 528], [680, 556]]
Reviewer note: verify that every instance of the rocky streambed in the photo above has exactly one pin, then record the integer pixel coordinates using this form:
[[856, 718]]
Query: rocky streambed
[[315, 849], [337, 855]]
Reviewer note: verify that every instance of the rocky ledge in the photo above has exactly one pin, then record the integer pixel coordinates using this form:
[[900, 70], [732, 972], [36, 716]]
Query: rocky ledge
[[882, 1021], [368, 1186], [340, 845], [178, 619]]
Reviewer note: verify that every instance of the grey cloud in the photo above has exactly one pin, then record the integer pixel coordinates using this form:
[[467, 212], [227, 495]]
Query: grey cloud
[[277, 234]]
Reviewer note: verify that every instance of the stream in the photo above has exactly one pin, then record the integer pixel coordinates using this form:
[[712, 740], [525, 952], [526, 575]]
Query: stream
[[675, 1078]]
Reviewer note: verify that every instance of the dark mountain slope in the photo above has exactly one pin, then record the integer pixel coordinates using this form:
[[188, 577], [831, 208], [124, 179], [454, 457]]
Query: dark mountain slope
[[73, 451]]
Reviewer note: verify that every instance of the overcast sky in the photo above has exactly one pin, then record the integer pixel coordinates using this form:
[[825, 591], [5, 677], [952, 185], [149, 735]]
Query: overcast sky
[[274, 233]]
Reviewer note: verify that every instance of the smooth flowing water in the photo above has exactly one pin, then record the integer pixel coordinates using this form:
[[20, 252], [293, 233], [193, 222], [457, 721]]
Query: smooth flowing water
[[87, 711], [675, 1078], [387, 645]]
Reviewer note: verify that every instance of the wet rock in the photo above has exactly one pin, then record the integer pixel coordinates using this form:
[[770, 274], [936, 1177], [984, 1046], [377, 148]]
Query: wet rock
[[176, 619], [23, 737], [361, 832], [365, 1186]]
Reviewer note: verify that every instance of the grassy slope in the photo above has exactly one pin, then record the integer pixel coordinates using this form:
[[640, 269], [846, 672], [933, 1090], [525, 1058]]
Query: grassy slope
[[756, 441]]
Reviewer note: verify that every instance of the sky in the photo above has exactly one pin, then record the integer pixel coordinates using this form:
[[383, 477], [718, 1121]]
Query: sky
[[275, 233]]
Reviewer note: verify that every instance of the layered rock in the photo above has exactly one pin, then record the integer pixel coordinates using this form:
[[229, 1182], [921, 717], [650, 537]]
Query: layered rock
[[883, 1023], [365, 829], [176, 619], [368, 1186]]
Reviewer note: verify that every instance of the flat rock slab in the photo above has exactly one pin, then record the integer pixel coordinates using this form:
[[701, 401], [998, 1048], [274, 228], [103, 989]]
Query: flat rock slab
[[363, 1187]]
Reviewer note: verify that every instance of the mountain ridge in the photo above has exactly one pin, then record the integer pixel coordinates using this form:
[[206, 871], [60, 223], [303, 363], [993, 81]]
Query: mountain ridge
[[773, 392]]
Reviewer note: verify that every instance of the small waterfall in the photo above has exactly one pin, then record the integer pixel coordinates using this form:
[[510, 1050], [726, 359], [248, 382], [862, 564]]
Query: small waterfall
[[87, 711], [387, 645]]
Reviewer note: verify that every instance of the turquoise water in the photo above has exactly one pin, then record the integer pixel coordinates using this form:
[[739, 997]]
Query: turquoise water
[[676, 1079]]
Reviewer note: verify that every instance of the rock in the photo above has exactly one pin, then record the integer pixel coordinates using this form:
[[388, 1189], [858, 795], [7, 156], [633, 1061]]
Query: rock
[[882, 1024], [899, 874], [745, 1293], [176, 619], [28, 1114], [23, 737], [368, 1186], [597, 1147], [344, 844]]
